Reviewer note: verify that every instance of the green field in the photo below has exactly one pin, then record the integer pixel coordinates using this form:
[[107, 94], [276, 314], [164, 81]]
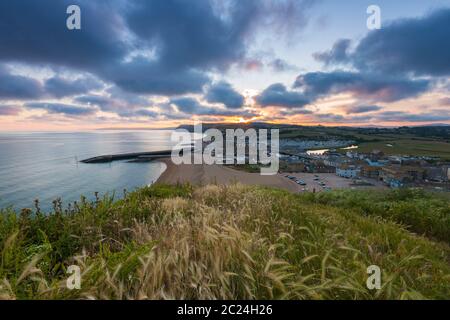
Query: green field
[[414, 147], [235, 242], [420, 141]]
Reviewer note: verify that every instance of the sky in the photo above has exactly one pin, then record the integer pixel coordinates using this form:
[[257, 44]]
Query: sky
[[155, 64]]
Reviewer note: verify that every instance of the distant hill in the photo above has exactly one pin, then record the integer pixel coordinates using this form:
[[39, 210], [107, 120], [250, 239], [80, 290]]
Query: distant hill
[[441, 132]]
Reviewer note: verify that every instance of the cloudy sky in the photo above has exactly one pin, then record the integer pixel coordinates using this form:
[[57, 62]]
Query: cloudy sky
[[155, 63]]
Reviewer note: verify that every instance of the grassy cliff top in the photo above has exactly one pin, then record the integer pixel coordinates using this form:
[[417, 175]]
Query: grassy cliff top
[[231, 242]]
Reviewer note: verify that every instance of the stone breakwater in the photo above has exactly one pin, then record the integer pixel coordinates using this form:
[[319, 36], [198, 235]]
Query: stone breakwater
[[136, 156]]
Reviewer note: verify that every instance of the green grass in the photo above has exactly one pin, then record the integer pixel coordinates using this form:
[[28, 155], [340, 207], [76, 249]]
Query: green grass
[[414, 141], [230, 242], [413, 147], [419, 211]]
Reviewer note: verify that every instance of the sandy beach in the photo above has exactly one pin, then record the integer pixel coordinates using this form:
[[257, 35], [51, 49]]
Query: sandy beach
[[218, 174]]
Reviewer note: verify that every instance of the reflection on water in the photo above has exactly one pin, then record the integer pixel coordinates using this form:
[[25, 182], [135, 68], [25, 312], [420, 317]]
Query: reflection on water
[[321, 152], [350, 148], [317, 152], [46, 165]]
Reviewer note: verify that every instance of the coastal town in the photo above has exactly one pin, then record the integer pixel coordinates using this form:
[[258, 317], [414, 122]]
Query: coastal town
[[362, 169], [318, 158], [304, 165]]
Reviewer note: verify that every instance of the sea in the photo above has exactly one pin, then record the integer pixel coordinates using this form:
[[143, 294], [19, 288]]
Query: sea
[[46, 165]]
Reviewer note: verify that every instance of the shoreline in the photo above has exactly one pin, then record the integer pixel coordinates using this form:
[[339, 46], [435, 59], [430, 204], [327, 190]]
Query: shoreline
[[202, 174]]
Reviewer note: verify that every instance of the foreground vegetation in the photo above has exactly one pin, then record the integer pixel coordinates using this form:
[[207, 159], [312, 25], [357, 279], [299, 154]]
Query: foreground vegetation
[[235, 242], [419, 211]]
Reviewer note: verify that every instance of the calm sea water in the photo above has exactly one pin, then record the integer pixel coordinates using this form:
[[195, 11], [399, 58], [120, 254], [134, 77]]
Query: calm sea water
[[46, 166]]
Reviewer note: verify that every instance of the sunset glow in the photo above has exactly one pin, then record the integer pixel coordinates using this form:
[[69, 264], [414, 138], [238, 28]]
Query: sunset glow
[[296, 62]]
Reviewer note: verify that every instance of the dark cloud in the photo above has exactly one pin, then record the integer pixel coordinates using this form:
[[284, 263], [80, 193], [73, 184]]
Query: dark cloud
[[280, 65], [277, 95], [190, 34], [199, 34], [61, 108], [146, 113], [191, 106], [149, 47], [189, 38], [223, 92], [128, 97], [117, 105], [386, 61], [145, 77], [101, 47], [114, 100], [401, 116], [6, 110], [97, 100], [35, 32], [109, 104], [329, 117], [25, 88], [188, 105], [338, 54], [417, 46], [18, 87], [60, 87], [362, 109], [284, 18], [388, 116], [139, 113], [368, 86], [293, 112]]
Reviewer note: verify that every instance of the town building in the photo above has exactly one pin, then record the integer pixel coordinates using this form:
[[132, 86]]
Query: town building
[[319, 167], [347, 171], [436, 174], [334, 160], [377, 163], [399, 176], [371, 172]]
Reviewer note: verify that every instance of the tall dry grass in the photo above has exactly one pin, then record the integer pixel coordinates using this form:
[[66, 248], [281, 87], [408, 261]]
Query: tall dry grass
[[216, 242]]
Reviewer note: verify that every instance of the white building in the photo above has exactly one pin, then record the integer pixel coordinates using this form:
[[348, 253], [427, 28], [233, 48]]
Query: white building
[[347, 171]]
